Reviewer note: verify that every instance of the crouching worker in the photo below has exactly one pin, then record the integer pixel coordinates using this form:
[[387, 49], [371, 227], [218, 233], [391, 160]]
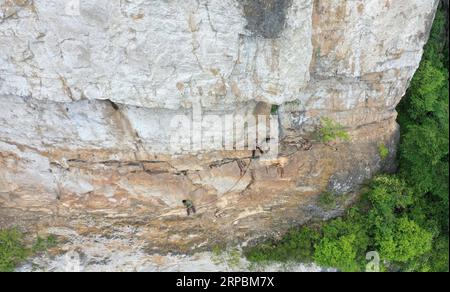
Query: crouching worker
[[190, 208]]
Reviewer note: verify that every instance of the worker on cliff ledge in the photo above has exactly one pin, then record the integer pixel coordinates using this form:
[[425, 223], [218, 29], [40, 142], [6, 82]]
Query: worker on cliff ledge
[[190, 208]]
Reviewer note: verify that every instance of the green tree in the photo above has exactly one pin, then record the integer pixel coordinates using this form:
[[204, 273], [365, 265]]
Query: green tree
[[343, 245], [338, 253], [403, 241]]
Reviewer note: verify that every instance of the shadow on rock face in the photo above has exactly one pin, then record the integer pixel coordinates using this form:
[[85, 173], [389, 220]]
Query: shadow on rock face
[[266, 18]]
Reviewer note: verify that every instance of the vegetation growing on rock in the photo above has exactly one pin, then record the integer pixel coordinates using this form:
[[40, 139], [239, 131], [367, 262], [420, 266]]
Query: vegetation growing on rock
[[384, 151], [327, 201], [13, 249], [330, 131]]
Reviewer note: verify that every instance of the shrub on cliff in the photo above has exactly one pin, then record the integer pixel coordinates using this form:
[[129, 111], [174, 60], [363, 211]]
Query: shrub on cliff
[[331, 131], [12, 250], [383, 151]]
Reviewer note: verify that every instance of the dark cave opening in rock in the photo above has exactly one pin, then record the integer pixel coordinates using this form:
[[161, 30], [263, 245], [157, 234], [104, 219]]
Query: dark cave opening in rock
[[266, 18]]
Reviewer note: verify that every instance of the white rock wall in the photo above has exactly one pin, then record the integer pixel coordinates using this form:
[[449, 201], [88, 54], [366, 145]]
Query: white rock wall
[[150, 53]]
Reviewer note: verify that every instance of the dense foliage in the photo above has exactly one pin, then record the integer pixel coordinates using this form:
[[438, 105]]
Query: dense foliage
[[330, 131], [403, 217]]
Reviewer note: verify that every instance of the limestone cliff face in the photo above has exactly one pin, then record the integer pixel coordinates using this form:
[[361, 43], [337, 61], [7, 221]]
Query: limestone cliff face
[[88, 90]]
